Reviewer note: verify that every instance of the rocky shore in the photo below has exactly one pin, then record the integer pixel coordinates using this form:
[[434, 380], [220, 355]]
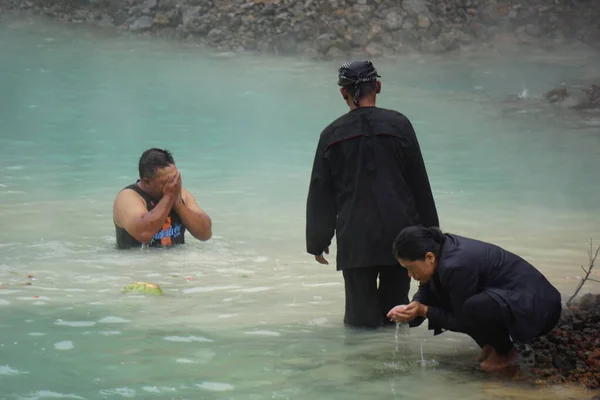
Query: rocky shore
[[577, 98], [571, 353], [338, 28]]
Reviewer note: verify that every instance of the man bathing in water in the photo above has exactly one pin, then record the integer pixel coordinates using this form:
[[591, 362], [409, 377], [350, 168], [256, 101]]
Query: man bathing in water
[[156, 210], [477, 288]]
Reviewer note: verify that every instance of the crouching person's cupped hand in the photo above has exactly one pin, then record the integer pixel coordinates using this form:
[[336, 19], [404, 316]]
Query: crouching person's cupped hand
[[407, 313]]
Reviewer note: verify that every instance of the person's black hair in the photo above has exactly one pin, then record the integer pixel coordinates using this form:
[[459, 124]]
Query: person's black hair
[[413, 242], [152, 160], [364, 89]]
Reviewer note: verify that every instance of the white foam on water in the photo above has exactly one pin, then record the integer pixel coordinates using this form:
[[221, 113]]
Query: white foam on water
[[263, 333], [321, 284], [205, 289], [254, 289], [64, 345], [321, 321], [112, 320], [4, 302], [188, 339], [215, 386], [34, 298], [110, 333], [7, 370], [74, 324], [261, 259], [47, 394], [123, 392], [184, 361], [227, 315], [9, 291], [155, 389], [39, 303], [36, 334]]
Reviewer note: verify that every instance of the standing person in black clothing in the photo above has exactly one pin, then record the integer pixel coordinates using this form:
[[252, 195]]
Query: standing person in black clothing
[[368, 182], [156, 210]]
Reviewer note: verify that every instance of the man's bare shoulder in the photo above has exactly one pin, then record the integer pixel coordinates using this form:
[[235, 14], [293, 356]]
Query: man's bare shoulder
[[127, 202], [127, 196]]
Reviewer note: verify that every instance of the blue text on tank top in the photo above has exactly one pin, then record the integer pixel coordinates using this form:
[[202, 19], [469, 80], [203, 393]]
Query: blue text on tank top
[[172, 232]]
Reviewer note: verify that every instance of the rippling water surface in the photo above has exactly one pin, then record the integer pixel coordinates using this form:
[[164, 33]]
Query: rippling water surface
[[248, 315]]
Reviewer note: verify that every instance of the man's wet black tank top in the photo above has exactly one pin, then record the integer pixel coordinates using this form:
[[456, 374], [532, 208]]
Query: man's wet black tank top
[[171, 233]]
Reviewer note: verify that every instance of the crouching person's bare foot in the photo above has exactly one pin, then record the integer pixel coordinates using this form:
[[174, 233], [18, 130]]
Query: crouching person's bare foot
[[485, 352], [497, 362]]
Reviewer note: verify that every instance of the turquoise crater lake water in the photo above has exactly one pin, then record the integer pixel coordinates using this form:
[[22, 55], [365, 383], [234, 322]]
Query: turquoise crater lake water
[[249, 315]]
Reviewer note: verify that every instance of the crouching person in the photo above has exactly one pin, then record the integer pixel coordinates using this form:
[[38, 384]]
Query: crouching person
[[476, 288]]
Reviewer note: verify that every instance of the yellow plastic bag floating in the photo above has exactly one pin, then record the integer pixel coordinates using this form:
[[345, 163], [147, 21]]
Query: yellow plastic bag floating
[[143, 288]]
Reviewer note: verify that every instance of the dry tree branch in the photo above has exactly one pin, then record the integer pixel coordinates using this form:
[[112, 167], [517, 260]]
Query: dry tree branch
[[588, 271]]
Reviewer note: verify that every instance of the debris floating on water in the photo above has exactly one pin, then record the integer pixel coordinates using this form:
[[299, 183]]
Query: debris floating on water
[[143, 288]]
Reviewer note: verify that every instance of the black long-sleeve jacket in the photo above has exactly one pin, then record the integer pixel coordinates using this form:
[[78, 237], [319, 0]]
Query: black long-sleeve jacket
[[531, 304], [368, 182]]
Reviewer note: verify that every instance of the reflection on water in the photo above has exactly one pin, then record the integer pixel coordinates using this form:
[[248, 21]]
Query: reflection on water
[[248, 315]]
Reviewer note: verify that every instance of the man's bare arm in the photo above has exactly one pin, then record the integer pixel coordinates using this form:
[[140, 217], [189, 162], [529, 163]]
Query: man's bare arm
[[196, 221], [131, 213]]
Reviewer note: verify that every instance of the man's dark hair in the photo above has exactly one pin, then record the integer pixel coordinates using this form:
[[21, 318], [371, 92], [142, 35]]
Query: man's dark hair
[[365, 89], [413, 242], [152, 160]]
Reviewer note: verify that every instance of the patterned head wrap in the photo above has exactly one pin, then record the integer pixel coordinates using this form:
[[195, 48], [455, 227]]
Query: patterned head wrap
[[355, 73]]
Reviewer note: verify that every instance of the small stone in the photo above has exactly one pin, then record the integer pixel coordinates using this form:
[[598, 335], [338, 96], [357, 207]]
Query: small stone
[[375, 31], [142, 24], [286, 44], [588, 301], [554, 96], [120, 18], [311, 53], [423, 22], [161, 19], [355, 19], [339, 27], [414, 7], [393, 21], [374, 50], [325, 41], [408, 25], [268, 10], [215, 34], [336, 53], [150, 4], [503, 9]]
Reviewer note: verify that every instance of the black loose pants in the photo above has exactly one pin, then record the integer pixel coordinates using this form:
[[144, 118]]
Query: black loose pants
[[487, 323], [368, 303]]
